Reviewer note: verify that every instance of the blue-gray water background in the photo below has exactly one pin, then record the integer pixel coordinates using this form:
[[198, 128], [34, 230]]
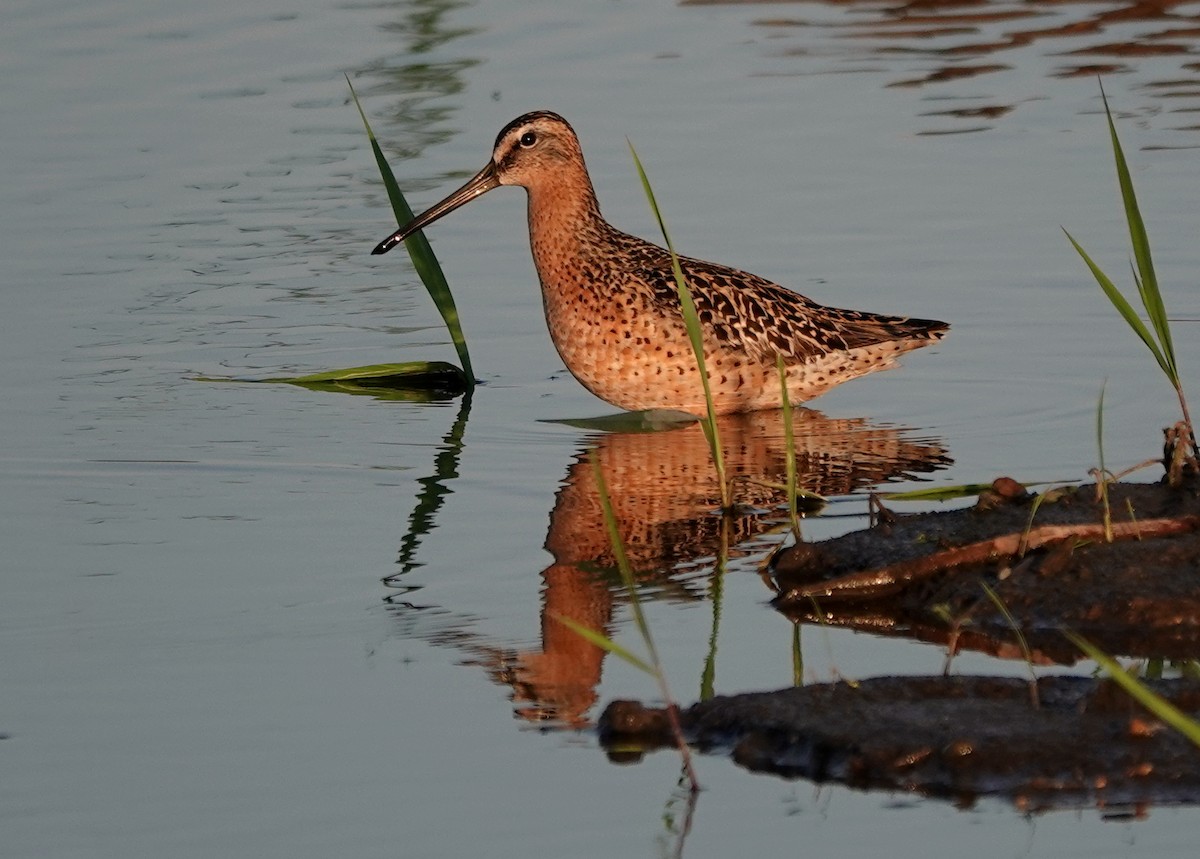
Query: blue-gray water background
[[197, 655]]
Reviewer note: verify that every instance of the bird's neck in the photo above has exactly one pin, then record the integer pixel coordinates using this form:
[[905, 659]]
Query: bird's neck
[[564, 216]]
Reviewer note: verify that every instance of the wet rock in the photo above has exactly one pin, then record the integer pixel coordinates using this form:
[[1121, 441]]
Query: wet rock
[[1004, 490]]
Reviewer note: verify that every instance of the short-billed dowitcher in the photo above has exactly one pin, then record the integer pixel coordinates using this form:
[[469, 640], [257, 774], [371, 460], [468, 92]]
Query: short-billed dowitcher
[[613, 309]]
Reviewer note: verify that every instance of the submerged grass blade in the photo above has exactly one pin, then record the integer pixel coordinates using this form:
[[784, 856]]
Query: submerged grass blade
[[1140, 692], [695, 335], [423, 258]]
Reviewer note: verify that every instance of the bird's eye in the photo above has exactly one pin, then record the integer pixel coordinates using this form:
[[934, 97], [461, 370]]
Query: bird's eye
[[528, 139]]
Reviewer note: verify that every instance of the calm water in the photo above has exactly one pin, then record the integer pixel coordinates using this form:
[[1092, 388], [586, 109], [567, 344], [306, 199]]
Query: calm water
[[200, 655]]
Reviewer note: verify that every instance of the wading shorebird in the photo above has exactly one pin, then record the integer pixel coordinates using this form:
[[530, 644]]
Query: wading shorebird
[[613, 308]]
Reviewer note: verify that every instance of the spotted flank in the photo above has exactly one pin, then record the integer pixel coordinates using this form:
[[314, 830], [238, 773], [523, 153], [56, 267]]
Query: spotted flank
[[613, 309]]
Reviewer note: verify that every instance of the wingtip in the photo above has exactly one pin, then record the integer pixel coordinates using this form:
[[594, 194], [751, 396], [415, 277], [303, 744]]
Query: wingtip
[[934, 329]]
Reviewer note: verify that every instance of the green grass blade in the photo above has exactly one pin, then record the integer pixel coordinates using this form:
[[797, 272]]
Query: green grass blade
[[1102, 474], [1153, 669], [623, 565], [1021, 642], [695, 335], [1148, 698], [423, 258], [1152, 301], [606, 643], [654, 666], [789, 443], [416, 371], [422, 381], [797, 655], [939, 493], [1148, 281], [1124, 308]]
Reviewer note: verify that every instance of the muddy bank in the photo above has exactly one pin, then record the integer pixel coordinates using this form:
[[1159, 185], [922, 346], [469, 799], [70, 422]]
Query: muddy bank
[[1085, 744], [1047, 559], [1058, 742]]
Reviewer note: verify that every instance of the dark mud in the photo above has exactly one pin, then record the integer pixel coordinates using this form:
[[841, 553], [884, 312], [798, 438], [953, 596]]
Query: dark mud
[[960, 738], [1047, 561], [1057, 742]]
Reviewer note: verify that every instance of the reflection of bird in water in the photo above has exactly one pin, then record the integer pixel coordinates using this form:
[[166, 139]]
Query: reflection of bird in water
[[664, 490], [614, 312]]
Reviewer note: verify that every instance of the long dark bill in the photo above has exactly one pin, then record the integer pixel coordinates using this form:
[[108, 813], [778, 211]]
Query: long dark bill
[[482, 182]]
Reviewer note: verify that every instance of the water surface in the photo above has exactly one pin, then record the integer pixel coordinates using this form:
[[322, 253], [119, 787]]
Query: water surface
[[202, 655]]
